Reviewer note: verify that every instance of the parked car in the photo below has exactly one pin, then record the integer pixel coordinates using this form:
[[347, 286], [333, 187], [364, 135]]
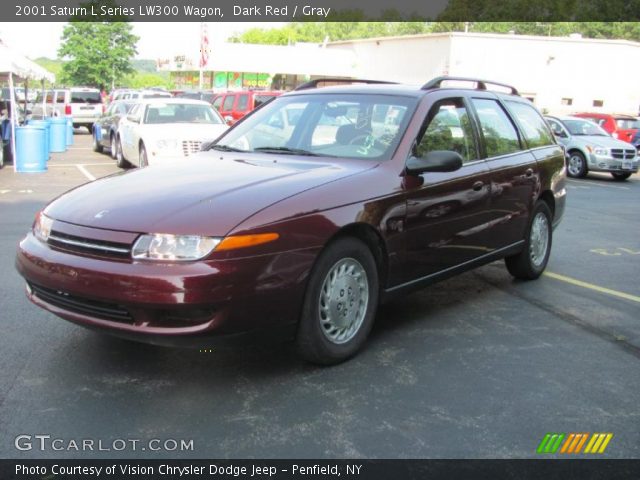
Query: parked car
[[105, 129], [622, 127], [307, 235], [161, 130], [204, 95], [590, 148], [235, 105], [83, 104], [143, 94]]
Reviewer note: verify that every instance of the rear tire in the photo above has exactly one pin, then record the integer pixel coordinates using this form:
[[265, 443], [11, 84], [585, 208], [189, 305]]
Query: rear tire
[[620, 177], [340, 303], [531, 262], [577, 165]]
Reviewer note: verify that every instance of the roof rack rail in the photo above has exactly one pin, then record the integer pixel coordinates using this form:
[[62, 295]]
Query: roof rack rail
[[314, 83], [480, 84]]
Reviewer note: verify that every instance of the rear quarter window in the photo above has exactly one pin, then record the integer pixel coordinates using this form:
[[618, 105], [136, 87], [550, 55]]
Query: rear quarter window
[[534, 128]]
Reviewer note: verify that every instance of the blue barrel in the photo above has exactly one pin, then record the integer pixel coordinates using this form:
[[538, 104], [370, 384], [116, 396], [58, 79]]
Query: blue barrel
[[58, 137], [69, 131], [47, 133], [29, 150]]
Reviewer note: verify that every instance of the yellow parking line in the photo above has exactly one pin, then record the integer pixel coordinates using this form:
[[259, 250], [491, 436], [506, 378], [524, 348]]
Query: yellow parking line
[[591, 286]]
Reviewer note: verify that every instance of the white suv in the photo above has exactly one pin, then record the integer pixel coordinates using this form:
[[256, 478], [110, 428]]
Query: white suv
[[83, 104]]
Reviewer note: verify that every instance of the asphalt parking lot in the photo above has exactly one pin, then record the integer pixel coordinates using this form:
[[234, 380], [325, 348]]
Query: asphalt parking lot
[[480, 366]]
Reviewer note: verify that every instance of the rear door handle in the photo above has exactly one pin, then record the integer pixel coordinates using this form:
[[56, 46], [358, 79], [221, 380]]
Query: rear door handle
[[478, 186], [528, 172]]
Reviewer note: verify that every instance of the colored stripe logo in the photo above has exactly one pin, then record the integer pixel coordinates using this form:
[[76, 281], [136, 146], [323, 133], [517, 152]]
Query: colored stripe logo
[[573, 443]]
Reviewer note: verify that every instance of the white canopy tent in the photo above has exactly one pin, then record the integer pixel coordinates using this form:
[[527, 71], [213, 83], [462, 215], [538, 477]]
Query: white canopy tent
[[16, 67]]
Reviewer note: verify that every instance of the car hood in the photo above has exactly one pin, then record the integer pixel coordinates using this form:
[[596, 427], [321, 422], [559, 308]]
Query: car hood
[[600, 141], [208, 194], [183, 131]]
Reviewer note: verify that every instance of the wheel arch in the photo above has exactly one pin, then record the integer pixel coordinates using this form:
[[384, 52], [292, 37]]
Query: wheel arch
[[548, 198]]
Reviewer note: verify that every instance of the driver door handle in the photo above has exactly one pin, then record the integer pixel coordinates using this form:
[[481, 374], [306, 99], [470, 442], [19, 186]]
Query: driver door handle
[[528, 172], [478, 186]]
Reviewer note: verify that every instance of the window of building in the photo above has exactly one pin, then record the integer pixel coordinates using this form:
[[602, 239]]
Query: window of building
[[533, 126], [500, 135], [566, 101], [598, 103]]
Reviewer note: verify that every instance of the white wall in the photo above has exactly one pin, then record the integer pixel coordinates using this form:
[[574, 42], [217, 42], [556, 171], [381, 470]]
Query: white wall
[[547, 68]]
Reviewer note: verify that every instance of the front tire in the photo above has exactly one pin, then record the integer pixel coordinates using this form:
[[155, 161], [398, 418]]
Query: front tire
[[96, 144], [121, 162], [143, 160], [340, 303], [531, 262], [620, 177], [577, 165]]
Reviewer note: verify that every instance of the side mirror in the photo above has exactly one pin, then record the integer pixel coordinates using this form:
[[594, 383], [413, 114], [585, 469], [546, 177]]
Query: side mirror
[[132, 118], [434, 161], [228, 119]]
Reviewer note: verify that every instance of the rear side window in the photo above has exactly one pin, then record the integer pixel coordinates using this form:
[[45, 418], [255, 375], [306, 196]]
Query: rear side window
[[243, 103], [533, 126], [86, 97], [500, 136], [217, 102], [59, 97], [228, 103]]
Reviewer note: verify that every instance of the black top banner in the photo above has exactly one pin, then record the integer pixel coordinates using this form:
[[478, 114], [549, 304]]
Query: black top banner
[[319, 469], [319, 10]]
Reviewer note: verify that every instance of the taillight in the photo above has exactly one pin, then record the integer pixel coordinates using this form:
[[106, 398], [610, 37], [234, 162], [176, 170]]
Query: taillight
[[104, 108], [67, 109]]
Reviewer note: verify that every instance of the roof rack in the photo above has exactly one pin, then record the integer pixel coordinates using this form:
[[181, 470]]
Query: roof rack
[[314, 83], [480, 84]]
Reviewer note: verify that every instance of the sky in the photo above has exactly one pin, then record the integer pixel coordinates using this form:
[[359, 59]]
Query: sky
[[157, 40]]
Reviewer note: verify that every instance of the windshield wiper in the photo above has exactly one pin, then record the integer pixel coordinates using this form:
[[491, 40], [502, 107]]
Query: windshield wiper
[[286, 150], [223, 148]]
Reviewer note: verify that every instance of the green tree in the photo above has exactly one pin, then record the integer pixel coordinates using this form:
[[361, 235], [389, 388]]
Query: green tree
[[97, 54]]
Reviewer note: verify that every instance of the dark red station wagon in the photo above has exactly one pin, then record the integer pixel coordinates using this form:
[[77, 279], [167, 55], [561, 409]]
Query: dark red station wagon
[[304, 216]]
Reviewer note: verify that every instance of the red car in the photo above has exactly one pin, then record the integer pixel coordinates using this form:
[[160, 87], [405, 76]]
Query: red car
[[622, 127], [235, 105], [302, 228]]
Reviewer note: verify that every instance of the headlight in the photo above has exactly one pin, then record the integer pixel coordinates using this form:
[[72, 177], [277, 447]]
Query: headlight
[[42, 227], [173, 247], [167, 144], [601, 152], [166, 247]]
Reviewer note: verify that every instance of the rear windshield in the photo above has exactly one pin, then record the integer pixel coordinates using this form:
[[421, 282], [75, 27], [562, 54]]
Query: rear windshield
[[156, 95], [86, 97], [181, 113]]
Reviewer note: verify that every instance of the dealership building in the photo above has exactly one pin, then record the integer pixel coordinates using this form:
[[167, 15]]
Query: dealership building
[[559, 74]]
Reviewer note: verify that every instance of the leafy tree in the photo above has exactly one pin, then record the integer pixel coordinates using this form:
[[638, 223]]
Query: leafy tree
[[98, 54]]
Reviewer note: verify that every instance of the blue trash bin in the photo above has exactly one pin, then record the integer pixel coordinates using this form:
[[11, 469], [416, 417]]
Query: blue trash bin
[[58, 134], [29, 157], [69, 131], [47, 132]]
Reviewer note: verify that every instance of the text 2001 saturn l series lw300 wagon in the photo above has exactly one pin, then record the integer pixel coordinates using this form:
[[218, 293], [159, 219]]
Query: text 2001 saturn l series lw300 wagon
[[304, 216]]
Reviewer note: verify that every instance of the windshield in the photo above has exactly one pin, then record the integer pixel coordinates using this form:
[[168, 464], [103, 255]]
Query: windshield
[[627, 123], [181, 113], [584, 127], [361, 126]]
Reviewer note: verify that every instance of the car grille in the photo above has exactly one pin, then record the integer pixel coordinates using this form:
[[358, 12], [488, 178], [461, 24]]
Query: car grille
[[189, 147], [87, 246], [83, 306], [623, 154]]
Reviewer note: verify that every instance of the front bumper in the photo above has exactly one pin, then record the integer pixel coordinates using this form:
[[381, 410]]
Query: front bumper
[[609, 164], [175, 304]]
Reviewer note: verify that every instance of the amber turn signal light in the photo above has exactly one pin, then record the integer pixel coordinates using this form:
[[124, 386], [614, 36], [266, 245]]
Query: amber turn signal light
[[243, 241]]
